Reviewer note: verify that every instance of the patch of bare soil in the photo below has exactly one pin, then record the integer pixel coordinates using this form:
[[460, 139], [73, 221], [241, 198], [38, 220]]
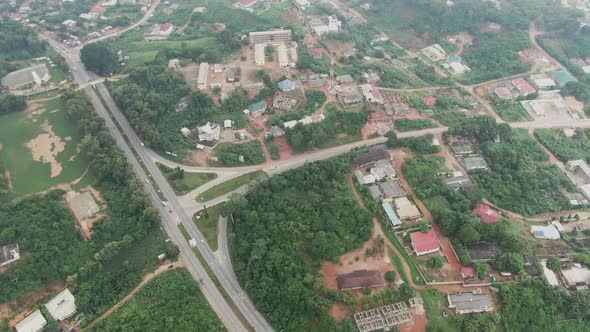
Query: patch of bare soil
[[574, 104], [17, 309], [33, 110], [46, 147]]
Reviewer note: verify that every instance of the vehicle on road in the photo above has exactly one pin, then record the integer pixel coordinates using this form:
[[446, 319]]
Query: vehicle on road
[[202, 281], [164, 204]]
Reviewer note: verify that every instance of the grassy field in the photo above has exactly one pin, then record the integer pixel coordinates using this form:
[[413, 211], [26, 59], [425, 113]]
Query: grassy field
[[513, 112], [230, 185], [433, 301], [28, 175], [207, 224], [188, 182], [413, 124]]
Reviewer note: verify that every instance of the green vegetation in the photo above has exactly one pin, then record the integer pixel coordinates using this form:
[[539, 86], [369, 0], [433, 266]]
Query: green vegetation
[[231, 185], [324, 134], [207, 221], [433, 301], [228, 154], [18, 43], [99, 58], [390, 77], [512, 112], [563, 147], [284, 229], [420, 145], [174, 294], [18, 129], [413, 124], [183, 182], [11, 103]]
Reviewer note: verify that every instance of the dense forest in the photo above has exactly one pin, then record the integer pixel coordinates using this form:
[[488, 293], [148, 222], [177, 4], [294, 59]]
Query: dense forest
[[563, 147], [169, 302], [284, 229]]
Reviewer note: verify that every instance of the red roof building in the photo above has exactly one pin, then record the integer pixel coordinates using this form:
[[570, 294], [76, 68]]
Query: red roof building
[[523, 86], [315, 52], [429, 101], [98, 10], [247, 3], [468, 272], [424, 243], [503, 93], [487, 213]]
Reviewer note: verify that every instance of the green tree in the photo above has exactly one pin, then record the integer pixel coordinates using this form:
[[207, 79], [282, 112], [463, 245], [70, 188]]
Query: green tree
[[554, 264], [390, 276], [481, 269], [436, 262], [99, 58]]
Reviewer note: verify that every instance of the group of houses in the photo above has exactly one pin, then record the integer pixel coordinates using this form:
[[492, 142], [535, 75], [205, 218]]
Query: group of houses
[[351, 95], [465, 154], [60, 308], [573, 276]]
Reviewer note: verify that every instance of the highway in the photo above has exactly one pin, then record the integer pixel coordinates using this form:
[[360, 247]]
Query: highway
[[173, 212]]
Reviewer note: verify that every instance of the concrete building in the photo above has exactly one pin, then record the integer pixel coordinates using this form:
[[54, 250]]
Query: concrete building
[[344, 79], [434, 52], [159, 31], [322, 25], [468, 303], [69, 24], [377, 152], [293, 57], [483, 251], [360, 279], [270, 36], [579, 168], [544, 83], [395, 222], [259, 56], [258, 107], [392, 190], [371, 94], [302, 4], [246, 3], [9, 253], [202, 76], [283, 56], [523, 87], [503, 93], [383, 169], [34, 75], [548, 232], [462, 147], [209, 133], [473, 163], [562, 77], [62, 306], [424, 243], [458, 181], [406, 210], [34, 322], [286, 85], [487, 213], [576, 277]]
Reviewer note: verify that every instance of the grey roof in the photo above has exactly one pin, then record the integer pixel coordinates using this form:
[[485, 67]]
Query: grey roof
[[458, 182], [375, 192], [483, 251], [344, 79], [470, 302], [392, 189], [462, 147], [474, 162], [375, 153], [33, 74]]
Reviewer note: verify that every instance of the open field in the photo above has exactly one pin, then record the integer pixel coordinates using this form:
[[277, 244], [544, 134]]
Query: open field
[[207, 224], [230, 185], [40, 147], [513, 112]]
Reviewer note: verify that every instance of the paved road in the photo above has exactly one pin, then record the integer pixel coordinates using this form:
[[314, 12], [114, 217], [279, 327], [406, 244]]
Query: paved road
[[173, 212]]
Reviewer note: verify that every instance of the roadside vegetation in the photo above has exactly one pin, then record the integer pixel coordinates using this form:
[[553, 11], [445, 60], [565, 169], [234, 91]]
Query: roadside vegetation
[[231, 185], [183, 182], [563, 147], [174, 295], [413, 124], [207, 221]]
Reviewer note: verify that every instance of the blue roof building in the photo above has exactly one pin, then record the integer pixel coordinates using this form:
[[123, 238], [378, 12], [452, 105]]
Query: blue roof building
[[286, 85], [395, 222]]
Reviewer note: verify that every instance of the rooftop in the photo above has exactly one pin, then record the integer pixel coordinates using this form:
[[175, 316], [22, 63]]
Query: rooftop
[[35, 74], [375, 153], [392, 189], [391, 214], [523, 86], [487, 213], [470, 302], [9, 253], [462, 147], [32, 323], [483, 251], [429, 101], [563, 77], [576, 274], [468, 272], [406, 209], [424, 243], [360, 279], [62, 306], [549, 232]]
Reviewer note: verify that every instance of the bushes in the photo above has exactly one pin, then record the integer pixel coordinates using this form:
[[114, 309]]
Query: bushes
[[11, 103], [229, 154], [413, 124]]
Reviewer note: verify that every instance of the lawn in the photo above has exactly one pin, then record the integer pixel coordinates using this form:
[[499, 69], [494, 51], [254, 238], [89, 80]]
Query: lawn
[[231, 185], [188, 181], [413, 124], [513, 112], [28, 175], [433, 301], [207, 224]]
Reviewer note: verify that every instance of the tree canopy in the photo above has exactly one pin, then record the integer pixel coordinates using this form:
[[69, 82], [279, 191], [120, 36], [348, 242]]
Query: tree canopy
[[99, 58]]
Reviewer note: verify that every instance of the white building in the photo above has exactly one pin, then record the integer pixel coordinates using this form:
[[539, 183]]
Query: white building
[[544, 83], [259, 58], [548, 232], [209, 132], [371, 94], [283, 56], [62, 306], [302, 4], [32, 323], [37, 75], [202, 76], [322, 25], [270, 36]]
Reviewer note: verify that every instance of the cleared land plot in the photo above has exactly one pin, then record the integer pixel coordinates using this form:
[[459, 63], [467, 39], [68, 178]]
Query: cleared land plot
[[207, 224], [513, 112], [19, 129], [188, 181], [231, 185]]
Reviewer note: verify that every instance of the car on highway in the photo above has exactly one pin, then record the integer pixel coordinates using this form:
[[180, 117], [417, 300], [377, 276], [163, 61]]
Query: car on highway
[[202, 281]]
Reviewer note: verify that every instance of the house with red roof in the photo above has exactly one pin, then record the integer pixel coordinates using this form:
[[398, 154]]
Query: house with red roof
[[98, 10], [429, 101], [523, 86], [503, 93], [159, 31], [487, 213], [315, 52], [468, 272], [371, 93], [424, 243]]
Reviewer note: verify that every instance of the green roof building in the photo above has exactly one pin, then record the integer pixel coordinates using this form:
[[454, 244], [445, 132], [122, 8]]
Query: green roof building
[[257, 108], [562, 77], [395, 222]]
